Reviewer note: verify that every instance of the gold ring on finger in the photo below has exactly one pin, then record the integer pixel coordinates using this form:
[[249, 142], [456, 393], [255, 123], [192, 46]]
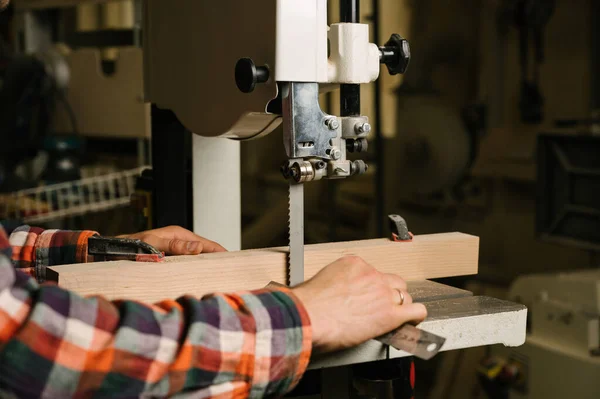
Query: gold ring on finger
[[401, 296]]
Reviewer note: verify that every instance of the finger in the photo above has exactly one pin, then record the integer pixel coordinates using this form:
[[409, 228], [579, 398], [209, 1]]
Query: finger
[[402, 297], [416, 313], [161, 240], [172, 246], [179, 233], [209, 246], [181, 247], [395, 281]]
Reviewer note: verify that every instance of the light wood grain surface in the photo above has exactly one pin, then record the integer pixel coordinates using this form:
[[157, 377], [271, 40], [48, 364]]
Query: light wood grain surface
[[427, 256]]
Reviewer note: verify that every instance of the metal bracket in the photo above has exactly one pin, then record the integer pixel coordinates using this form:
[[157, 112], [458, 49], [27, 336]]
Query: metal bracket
[[307, 130], [399, 229]]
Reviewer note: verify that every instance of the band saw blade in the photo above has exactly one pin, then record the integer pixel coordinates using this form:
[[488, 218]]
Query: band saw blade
[[296, 234]]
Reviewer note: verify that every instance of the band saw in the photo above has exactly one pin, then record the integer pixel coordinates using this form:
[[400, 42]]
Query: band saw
[[237, 70]]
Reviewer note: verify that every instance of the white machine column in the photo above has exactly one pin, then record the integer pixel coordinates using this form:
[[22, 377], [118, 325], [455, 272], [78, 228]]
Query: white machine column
[[217, 190]]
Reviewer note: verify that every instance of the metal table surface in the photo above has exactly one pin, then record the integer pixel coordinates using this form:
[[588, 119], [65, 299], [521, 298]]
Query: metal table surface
[[465, 321]]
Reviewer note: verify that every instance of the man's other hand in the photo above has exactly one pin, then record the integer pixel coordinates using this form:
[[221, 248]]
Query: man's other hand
[[350, 302], [175, 240]]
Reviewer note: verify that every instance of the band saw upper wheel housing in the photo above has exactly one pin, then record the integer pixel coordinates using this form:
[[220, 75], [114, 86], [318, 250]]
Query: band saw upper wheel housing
[[432, 148]]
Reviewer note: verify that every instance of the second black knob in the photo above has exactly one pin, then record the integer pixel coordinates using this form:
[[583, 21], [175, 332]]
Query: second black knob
[[248, 75], [395, 54]]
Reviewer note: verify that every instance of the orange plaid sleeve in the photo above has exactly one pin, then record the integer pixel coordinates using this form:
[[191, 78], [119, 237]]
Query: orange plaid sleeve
[[34, 249], [57, 344]]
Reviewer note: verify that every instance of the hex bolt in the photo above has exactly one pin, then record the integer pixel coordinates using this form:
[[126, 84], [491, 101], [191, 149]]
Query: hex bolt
[[362, 128], [336, 154], [332, 123]]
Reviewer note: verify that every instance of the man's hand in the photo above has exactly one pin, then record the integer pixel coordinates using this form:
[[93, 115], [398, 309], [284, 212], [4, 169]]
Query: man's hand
[[175, 240], [350, 302]]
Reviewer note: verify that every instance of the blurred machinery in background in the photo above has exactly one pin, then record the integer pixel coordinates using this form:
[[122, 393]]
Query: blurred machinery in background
[[32, 85], [534, 205], [561, 357], [530, 18], [101, 62], [71, 103]]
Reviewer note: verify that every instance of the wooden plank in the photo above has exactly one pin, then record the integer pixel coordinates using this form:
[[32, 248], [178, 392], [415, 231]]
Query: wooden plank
[[427, 256]]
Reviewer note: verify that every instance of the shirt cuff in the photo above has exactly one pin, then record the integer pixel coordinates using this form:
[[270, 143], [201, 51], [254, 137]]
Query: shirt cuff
[[283, 341], [34, 249]]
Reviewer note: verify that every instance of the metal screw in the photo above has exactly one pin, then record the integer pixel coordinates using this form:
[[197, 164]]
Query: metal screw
[[363, 127], [320, 165], [332, 123], [336, 154], [295, 171]]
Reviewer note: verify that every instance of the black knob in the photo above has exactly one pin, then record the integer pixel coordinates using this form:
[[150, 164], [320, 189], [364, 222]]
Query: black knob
[[395, 54], [247, 75]]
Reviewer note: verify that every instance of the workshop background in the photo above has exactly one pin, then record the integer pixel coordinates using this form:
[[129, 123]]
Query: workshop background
[[492, 132]]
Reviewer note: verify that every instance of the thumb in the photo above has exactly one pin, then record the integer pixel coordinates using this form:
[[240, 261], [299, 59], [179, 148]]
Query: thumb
[[414, 312]]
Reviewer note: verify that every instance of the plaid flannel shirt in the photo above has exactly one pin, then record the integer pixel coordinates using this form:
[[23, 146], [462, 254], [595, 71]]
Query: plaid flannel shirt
[[56, 344], [34, 249]]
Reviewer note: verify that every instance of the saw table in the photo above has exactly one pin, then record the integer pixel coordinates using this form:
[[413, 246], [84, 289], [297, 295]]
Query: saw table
[[465, 321]]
